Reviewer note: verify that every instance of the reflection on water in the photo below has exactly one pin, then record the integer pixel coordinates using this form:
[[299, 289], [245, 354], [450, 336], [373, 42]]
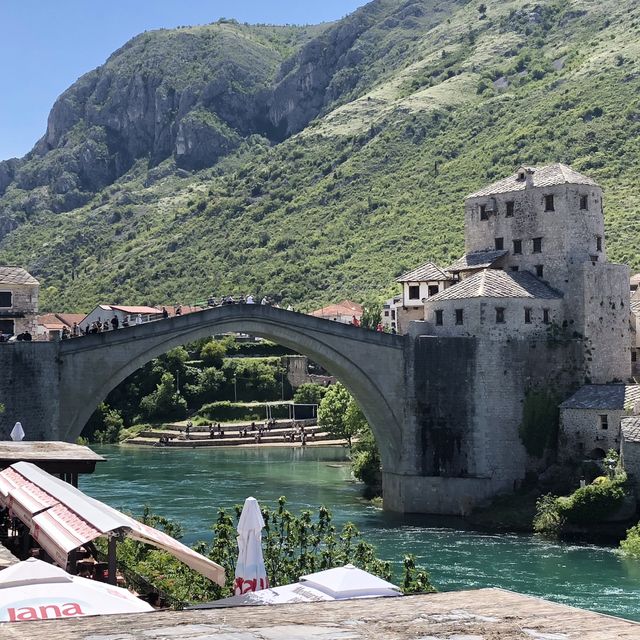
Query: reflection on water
[[190, 485]]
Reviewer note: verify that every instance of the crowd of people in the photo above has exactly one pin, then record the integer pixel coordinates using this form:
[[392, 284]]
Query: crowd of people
[[254, 431]]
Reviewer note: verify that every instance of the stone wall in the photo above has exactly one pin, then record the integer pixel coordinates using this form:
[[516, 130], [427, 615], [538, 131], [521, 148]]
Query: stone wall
[[479, 317], [24, 307], [29, 389], [581, 433], [630, 453]]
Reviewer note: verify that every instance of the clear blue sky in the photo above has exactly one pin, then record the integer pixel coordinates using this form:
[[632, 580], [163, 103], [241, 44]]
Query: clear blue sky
[[45, 45]]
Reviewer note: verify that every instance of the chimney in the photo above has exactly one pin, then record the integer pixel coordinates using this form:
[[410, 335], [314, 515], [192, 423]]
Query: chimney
[[528, 176]]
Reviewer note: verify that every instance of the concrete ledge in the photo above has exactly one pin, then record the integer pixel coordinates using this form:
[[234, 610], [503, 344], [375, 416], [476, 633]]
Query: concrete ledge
[[482, 614]]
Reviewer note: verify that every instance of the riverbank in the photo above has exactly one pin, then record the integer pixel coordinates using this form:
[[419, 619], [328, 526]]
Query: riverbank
[[285, 433]]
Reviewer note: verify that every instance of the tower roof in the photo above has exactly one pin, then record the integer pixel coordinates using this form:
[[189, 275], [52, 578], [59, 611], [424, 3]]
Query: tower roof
[[16, 275], [428, 272], [547, 176]]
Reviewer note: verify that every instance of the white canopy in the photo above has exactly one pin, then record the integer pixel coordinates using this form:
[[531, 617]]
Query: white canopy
[[35, 590], [341, 583], [62, 518], [250, 572], [17, 433]]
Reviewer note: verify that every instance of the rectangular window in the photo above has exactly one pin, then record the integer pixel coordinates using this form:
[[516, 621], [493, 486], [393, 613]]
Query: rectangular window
[[527, 315], [510, 204], [598, 243], [499, 315], [584, 202], [548, 203], [414, 292], [6, 327], [459, 316], [540, 270], [604, 421], [517, 247], [6, 299], [433, 289], [386, 314], [633, 355], [537, 245], [499, 244], [439, 317], [483, 212], [393, 314], [545, 316]]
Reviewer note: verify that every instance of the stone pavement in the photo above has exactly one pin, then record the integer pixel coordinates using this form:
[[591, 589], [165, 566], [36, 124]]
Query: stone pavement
[[483, 614]]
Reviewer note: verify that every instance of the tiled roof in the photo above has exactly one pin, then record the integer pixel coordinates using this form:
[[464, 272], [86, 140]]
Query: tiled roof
[[426, 273], [549, 176], [16, 275], [476, 260], [344, 308], [634, 280], [141, 310], [493, 283], [603, 396], [630, 428], [60, 320]]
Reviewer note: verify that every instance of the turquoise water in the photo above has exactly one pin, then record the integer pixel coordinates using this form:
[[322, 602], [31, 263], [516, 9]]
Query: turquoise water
[[190, 485]]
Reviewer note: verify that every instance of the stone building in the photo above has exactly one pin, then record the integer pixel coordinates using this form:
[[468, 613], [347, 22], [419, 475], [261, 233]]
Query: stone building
[[419, 285], [537, 312], [390, 314], [18, 301], [543, 231], [590, 420], [630, 448]]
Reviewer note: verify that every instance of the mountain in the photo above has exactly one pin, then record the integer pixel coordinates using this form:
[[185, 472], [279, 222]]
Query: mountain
[[317, 163]]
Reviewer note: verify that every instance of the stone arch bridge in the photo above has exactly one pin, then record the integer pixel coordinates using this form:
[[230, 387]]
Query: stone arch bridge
[[446, 430]]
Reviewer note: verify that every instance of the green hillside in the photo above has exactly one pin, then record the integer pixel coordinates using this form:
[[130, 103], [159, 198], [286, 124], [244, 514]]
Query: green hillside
[[442, 100]]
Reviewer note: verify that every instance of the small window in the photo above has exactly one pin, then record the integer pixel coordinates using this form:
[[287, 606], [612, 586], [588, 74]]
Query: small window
[[414, 292], [604, 421], [459, 316], [537, 245], [386, 314], [548, 203], [633, 356], [584, 202], [527, 315], [598, 243], [510, 207], [483, 212], [545, 316], [439, 317], [540, 270], [6, 299], [515, 267], [517, 247], [393, 314], [499, 244], [6, 327], [499, 315], [433, 289]]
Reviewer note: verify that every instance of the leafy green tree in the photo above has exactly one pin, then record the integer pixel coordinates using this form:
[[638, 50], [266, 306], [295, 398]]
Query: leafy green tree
[[293, 545], [212, 354], [309, 393], [371, 315], [165, 403], [339, 413], [112, 425], [365, 462]]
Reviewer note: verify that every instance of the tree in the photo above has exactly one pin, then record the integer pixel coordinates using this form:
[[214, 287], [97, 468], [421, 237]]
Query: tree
[[339, 413], [366, 464], [371, 315], [164, 403], [309, 393], [112, 425], [212, 354]]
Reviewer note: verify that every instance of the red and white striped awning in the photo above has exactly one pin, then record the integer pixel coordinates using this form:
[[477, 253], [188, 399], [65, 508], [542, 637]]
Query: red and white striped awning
[[62, 518]]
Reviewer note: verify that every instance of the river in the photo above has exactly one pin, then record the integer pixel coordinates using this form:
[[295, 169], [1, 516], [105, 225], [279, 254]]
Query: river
[[189, 485]]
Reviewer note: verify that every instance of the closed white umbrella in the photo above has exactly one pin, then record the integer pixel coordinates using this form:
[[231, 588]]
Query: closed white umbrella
[[17, 433], [250, 572], [35, 590]]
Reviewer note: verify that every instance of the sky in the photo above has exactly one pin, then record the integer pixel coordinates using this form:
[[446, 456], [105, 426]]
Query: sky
[[45, 45]]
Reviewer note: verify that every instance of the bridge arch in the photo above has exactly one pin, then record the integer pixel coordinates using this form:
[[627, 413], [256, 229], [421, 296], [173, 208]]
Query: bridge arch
[[369, 364]]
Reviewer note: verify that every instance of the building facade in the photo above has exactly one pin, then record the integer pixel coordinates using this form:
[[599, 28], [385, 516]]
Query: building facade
[[19, 292]]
